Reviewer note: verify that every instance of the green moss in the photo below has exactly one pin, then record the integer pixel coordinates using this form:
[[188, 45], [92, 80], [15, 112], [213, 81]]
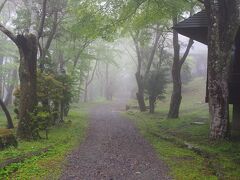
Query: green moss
[[62, 140]]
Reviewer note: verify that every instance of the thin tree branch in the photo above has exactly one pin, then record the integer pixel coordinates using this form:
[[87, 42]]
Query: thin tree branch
[[86, 43], [183, 59], [43, 17], [52, 33], [93, 73], [8, 33], [150, 60]]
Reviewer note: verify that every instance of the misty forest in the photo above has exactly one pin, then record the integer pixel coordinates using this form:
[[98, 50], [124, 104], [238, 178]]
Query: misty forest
[[120, 89]]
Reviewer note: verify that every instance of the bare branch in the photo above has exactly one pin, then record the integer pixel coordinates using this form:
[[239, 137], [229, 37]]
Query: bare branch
[[43, 17], [86, 43], [93, 73], [53, 31], [153, 51], [8, 33], [190, 43]]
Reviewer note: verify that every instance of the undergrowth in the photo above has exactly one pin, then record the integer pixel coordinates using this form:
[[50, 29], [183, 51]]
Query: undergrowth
[[47, 165]]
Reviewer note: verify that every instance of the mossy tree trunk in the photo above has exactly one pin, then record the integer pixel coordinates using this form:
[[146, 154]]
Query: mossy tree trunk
[[224, 21], [28, 48]]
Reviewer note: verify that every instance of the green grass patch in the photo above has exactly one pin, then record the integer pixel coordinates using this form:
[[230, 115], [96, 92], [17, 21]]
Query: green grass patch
[[224, 160], [62, 140]]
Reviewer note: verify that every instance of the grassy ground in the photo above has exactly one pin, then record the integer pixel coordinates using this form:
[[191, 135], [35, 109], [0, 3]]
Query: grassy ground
[[171, 137], [48, 165]]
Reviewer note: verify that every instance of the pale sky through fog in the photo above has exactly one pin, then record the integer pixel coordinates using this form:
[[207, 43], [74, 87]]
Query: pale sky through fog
[[198, 48]]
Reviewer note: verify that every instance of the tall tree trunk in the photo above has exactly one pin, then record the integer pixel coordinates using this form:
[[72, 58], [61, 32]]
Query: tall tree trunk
[[8, 99], [176, 77], [224, 23], [140, 93], [85, 94], [176, 97], [1, 77], [107, 90], [62, 105], [28, 49], [85, 99], [88, 81], [7, 114], [139, 77], [152, 101]]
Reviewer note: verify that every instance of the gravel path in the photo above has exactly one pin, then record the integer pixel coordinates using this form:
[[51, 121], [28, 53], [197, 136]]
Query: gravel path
[[113, 150]]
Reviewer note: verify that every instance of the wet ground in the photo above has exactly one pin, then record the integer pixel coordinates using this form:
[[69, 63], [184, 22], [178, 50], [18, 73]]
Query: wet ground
[[113, 150]]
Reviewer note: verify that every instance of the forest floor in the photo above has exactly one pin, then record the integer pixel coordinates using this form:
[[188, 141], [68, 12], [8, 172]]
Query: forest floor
[[103, 141], [44, 158], [113, 149], [183, 143]]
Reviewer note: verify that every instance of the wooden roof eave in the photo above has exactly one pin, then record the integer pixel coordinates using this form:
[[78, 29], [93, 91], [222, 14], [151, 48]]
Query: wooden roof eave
[[195, 27]]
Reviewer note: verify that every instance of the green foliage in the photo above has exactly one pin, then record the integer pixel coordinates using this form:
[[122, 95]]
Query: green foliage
[[88, 20], [52, 90], [41, 121], [49, 88], [155, 83]]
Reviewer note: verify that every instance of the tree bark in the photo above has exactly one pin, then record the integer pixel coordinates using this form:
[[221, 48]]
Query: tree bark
[[152, 101], [85, 93], [28, 48], [7, 114], [176, 97], [107, 90], [140, 93], [223, 17], [44, 50], [139, 78], [88, 82], [1, 77], [8, 99]]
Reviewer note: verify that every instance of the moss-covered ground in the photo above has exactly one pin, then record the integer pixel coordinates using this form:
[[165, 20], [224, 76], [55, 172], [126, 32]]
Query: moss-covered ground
[[217, 159], [47, 165]]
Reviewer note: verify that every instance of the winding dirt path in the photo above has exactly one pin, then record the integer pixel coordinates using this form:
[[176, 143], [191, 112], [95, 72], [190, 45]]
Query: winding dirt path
[[113, 150]]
